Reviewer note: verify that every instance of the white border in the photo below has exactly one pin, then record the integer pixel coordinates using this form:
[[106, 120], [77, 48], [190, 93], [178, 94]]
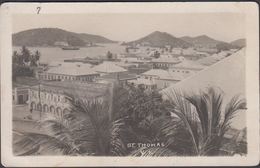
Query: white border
[[252, 82]]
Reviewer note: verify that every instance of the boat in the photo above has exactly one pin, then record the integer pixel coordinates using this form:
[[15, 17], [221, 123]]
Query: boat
[[70, 48]]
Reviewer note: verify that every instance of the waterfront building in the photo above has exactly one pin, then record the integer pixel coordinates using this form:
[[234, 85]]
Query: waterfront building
[[108, 68], [70, 71]]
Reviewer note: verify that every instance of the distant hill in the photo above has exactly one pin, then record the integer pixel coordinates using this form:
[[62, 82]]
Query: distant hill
[[52, 36], [239, 42], [202, 41], [226, 46], [89, 38], [160, 39]]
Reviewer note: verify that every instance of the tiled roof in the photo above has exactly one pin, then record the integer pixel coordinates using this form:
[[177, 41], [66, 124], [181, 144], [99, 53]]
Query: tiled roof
[[74, 69], [108, 67]]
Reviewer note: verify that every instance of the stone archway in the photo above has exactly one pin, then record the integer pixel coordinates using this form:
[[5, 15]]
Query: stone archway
[[45, 108], [39, 107], [52, 109], [59, 112], [33, 105]]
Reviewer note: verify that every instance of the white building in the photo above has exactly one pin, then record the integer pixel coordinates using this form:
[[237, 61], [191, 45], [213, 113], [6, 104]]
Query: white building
[[162, 78], [108, 68], [187, 67], [70, 71], [164, 63], [51, 97]]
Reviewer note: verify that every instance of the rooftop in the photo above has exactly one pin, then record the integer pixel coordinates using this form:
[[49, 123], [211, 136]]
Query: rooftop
[[25, 81], [79, 88], [164, 74], [74, 69], [228, 75], [166, 60], [190, 64], [212, 59], [140, 81], [108, 67]]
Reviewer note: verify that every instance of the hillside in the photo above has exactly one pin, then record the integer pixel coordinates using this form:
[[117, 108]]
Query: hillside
[[202, 41], [89, 38], [52, 36], [160, 39], [239, 42]]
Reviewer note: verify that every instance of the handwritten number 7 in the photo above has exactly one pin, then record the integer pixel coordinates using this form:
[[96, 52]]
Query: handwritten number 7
[[38, 10]]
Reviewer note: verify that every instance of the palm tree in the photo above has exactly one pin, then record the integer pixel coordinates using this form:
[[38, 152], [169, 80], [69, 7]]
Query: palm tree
[[196, 126], [86, 130], [83, 131], [204, 119]]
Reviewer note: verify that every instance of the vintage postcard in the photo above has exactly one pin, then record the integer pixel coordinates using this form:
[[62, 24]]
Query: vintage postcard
[[129, 84]]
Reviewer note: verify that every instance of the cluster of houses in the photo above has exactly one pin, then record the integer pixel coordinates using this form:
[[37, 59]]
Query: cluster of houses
[[48, 92], [135, 67]]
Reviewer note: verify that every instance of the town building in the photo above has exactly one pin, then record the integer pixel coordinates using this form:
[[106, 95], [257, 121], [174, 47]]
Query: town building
[[187, 67], [164, 63], [163, 78], [70, 71], [215, 57], [51, 97], [20, 92], [121, 78], [108, 68], [143, 83]]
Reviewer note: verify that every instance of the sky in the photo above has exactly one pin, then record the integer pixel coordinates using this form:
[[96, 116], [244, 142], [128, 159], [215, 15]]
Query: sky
[[127, 27]]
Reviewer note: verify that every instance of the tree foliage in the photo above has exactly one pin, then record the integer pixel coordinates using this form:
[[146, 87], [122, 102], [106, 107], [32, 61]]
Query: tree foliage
[[185, 124], [24, 62]]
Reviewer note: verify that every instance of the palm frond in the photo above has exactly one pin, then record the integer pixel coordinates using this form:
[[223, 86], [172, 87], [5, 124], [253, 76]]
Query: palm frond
[[31, 140], [235, 104]]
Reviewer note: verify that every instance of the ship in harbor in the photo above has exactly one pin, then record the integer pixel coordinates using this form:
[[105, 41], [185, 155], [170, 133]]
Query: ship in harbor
[[70, 48]]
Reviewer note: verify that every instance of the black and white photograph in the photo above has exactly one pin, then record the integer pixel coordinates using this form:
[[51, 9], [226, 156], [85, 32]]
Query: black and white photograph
[[131, 84]]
